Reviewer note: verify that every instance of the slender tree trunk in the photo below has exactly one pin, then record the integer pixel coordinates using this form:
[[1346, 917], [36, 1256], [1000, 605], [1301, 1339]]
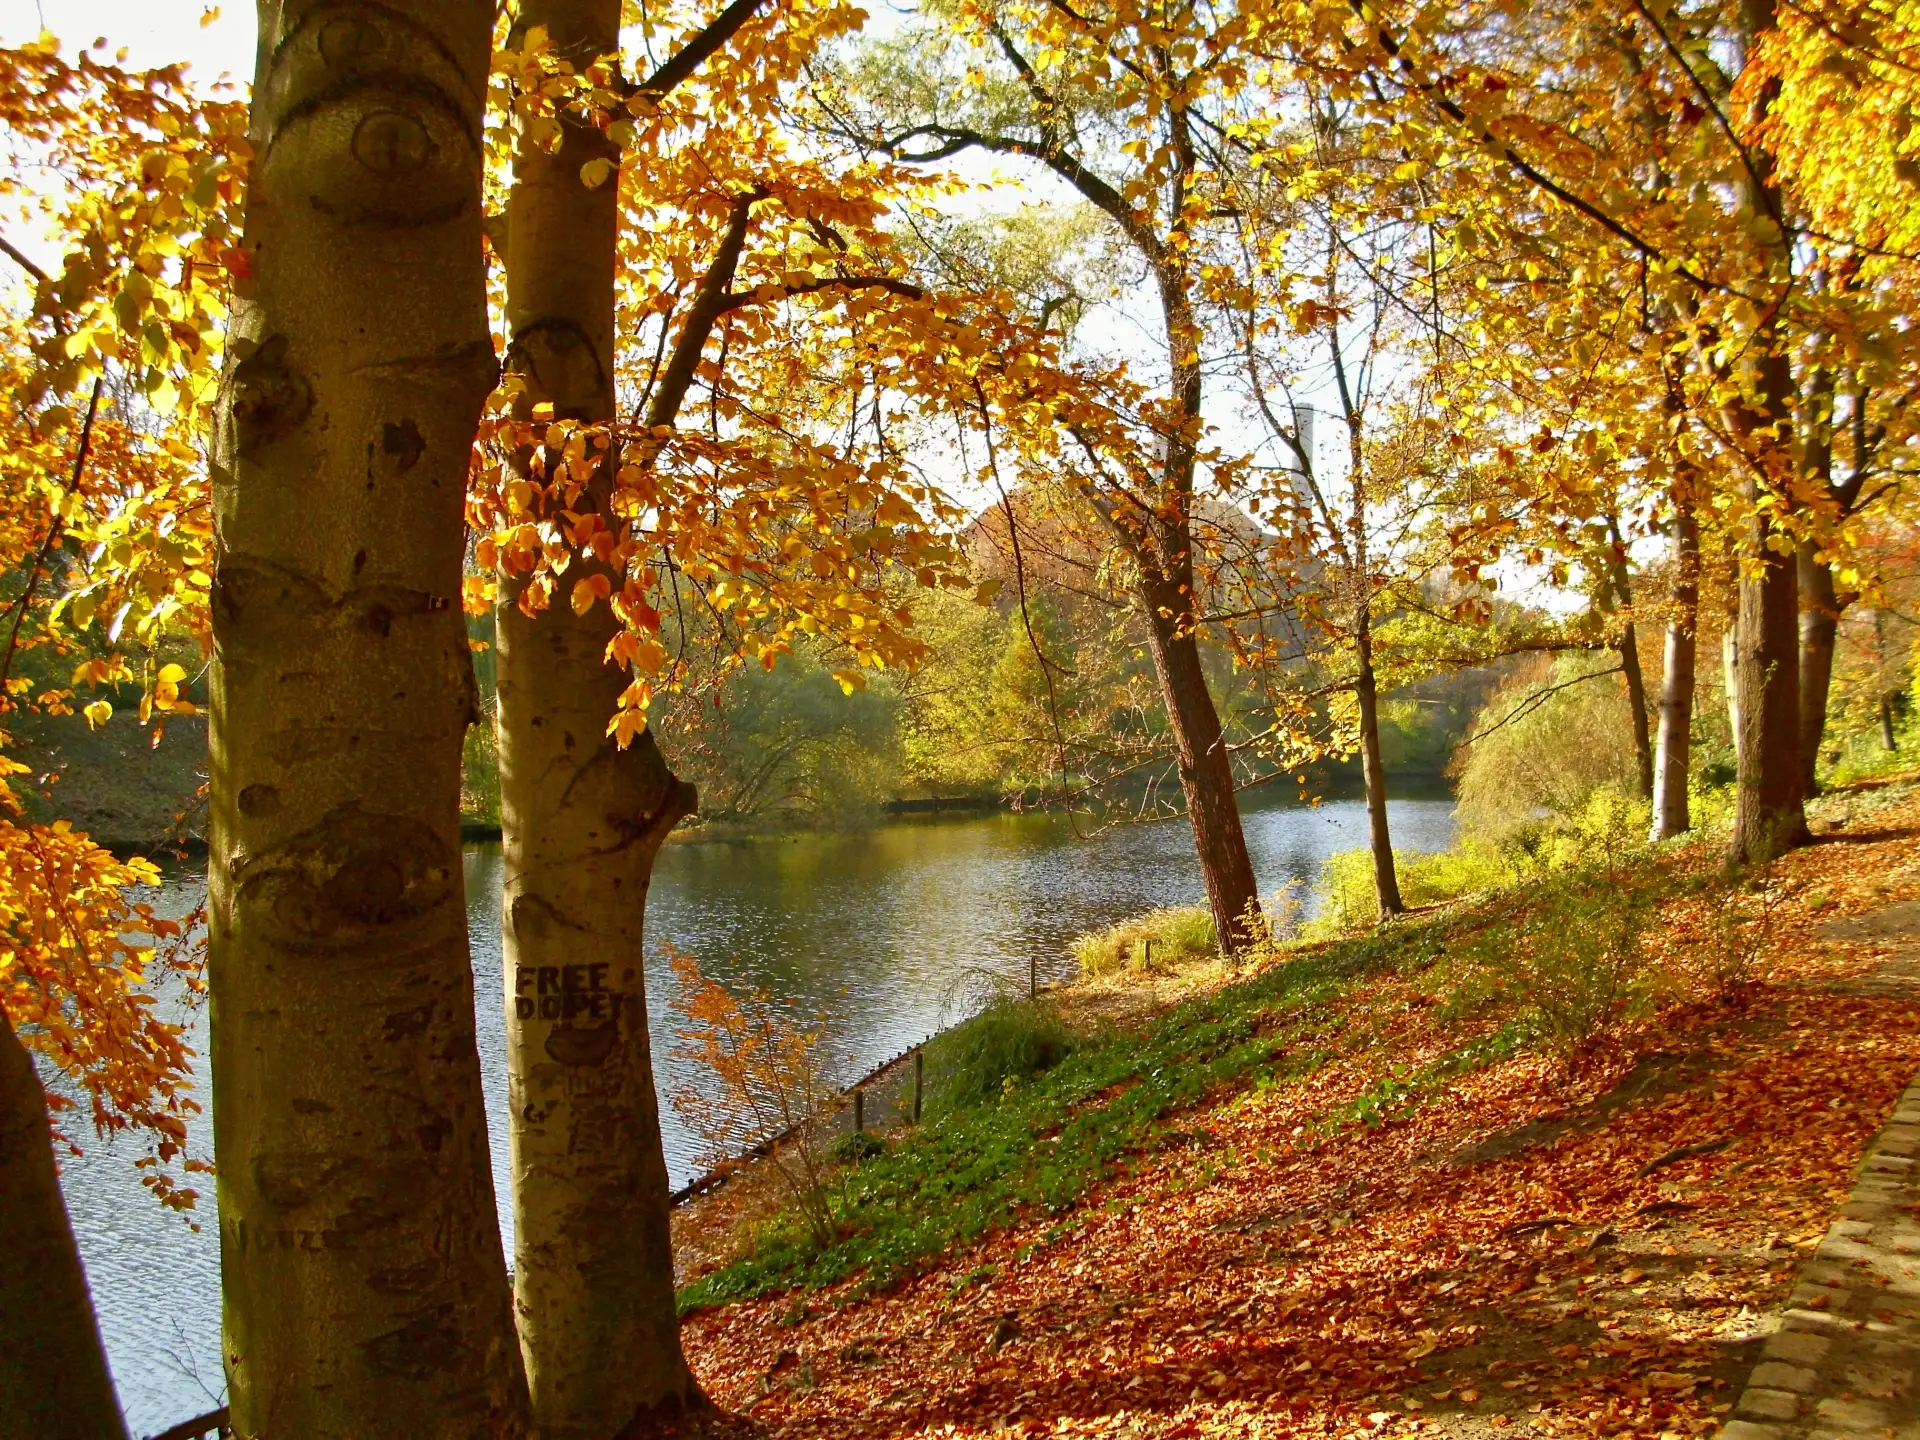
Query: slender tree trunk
[[1628, 649], [1730, 678], [1820, 608], [1206, 773], [366, 1293], [582, 821], [1373, 774], [1165, 553], [1888, 741], [1670, 810], [1386, 880], [54, 1383]]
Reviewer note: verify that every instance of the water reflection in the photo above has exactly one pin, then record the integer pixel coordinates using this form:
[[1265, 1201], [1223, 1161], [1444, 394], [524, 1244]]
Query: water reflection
[[878, 929]]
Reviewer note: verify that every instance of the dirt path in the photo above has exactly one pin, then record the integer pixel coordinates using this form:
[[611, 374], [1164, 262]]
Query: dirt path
[[1526, 1253]]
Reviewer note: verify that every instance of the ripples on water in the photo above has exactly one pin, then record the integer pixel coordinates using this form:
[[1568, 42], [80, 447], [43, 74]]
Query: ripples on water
[[879, 929]]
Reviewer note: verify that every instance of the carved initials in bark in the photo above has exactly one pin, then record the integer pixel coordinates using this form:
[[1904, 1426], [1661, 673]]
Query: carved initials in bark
[[582, 821]]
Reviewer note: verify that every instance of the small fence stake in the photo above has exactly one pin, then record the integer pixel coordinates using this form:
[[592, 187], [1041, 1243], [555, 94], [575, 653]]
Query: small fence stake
[[919, 1081], [859, 1112], [1033, 977], [1146, 952]]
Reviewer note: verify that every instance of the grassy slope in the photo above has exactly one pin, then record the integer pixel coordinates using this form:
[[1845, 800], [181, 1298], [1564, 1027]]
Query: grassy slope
[[115, 783], [1325, 1196]]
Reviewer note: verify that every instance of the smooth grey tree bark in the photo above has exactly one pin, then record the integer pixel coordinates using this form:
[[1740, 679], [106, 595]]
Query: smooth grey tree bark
[[365, 1289]]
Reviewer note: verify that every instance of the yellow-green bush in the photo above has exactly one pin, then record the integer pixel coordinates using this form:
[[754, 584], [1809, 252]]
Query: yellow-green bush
[[1179, 936], [1607, 826], [1541, 751], [1345, 899]]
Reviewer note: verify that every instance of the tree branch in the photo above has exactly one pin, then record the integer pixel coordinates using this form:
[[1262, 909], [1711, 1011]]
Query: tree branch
[[709, 303], [740, 299], [54, 530], [681, 65], [1506, 152], [23, 262]]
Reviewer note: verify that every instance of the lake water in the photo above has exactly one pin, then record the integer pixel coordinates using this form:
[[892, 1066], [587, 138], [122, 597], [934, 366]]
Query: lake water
[[886, 931]]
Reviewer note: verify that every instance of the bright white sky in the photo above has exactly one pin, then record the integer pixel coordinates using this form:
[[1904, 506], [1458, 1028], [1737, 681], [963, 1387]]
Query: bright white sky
[[155, 32]]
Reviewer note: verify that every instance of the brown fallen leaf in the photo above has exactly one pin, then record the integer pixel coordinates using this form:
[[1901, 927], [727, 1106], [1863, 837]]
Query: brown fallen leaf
[[1670, 1380]]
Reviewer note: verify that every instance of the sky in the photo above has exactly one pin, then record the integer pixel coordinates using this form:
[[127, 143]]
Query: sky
[[155, 32]]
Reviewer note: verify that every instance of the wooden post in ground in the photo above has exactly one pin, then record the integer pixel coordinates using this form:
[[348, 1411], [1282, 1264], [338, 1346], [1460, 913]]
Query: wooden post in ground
[[859, 1112], [919, 1081]]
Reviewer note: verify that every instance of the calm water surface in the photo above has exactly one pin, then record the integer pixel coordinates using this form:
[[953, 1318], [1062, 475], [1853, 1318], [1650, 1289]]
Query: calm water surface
[[886, 931]]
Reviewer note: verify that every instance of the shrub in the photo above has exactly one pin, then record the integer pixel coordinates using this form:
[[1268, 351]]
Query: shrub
[[480, 775], [1541, 751], [1009, 1041], [1737, 909], [765, 1064], [1608, 826], [1345, 898], [1179, 936], [1576, 964]]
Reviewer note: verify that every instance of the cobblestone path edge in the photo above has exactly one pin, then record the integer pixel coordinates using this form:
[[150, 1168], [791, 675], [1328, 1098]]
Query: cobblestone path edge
[[1842, 1362]]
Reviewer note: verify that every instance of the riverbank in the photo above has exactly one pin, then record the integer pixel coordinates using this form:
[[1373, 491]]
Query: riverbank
[[1359, 1192], [716, 1215]]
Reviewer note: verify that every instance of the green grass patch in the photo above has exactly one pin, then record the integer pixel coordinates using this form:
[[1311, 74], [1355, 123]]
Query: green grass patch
[[1404, 1088], [1157, 940], [1048, 1139], [979, 1060]]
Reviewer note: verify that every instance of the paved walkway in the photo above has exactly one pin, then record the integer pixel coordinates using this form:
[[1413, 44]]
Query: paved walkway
[[1843, 1362]]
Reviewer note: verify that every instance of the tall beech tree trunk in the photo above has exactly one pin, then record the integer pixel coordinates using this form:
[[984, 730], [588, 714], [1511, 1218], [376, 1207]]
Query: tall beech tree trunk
[[1769, 813], [1206, 771], [366, 1293], [1628, 649], [1820, 609], [54, 1383], [1670, 806], [582, 821]]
